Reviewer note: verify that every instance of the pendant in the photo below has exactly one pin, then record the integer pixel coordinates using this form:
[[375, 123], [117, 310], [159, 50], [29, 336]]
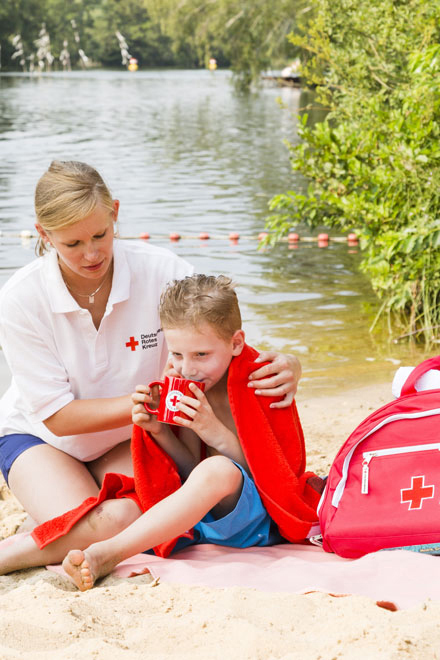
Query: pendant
[[91, 299]]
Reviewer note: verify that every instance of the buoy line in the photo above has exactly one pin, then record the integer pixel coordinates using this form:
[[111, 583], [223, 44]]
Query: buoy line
[[292, 237]]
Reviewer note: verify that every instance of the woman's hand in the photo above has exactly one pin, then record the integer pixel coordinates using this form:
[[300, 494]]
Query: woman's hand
[[279, 377], [139, 414]]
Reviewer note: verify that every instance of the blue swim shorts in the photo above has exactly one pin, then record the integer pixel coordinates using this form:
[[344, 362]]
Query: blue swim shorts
[[11, 446], [248, 524]]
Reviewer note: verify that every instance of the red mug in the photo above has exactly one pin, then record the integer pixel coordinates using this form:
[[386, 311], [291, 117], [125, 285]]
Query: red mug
[[172, 390]]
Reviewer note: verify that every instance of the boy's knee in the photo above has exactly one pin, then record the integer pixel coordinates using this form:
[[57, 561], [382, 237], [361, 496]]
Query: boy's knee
[[221, 473], [115, 515]]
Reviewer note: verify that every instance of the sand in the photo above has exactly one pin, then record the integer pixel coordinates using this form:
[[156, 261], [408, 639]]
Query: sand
[[43, 616]]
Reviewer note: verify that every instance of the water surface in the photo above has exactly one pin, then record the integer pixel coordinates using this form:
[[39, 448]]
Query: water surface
[[184, 153]]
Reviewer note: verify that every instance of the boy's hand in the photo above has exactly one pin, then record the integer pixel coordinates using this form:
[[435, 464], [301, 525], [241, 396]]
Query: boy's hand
[[278, 378], [203, 420], [139, 415]]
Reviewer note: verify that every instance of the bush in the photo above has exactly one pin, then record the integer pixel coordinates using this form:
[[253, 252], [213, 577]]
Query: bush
[[373, 162]]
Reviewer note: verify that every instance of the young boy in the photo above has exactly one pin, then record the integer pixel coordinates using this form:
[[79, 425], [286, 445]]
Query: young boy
[[218, 497]]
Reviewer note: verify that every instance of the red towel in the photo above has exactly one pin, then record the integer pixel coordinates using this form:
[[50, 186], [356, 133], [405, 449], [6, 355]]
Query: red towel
[[272, 441]]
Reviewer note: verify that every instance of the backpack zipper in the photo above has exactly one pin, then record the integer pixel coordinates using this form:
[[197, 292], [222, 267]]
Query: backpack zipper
[[339, 490], [368, 455]]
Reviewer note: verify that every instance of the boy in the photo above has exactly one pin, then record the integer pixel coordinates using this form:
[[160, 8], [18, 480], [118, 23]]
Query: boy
[[217, 496]]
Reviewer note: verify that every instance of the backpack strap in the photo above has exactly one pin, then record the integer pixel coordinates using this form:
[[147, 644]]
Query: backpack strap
[[422, 368]]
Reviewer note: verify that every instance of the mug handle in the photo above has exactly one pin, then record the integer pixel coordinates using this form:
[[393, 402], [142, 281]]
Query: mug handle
[[153, 411]]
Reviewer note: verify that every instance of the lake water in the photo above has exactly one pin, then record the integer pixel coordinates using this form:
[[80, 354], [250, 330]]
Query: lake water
[[185, 153]]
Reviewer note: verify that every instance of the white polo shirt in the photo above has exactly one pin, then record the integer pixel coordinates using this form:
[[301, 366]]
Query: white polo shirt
[[56, 354]]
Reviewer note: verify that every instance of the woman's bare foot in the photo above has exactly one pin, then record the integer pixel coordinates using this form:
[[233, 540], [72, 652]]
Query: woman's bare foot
[[86, 566]]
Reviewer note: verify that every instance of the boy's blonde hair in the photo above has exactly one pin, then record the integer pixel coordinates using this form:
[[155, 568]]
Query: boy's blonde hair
[[68, 192], [201, 299]]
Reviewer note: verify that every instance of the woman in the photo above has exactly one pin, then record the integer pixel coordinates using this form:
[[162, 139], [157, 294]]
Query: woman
[[79, 327]]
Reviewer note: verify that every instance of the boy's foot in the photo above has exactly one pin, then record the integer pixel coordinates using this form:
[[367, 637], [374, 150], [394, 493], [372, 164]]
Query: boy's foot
[[78, 565], [86, 566]]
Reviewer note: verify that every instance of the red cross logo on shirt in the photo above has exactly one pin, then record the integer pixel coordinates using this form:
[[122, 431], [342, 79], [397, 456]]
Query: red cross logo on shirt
[[417, 493], [132, 343]]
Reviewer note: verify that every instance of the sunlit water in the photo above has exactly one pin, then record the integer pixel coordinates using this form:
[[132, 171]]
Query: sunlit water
[[184, 153]]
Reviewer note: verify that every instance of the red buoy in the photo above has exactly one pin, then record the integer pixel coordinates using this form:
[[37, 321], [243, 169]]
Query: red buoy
[[204, 235], [323, 238], [353, 239], [234, 236], [174, 236], [145, 236], [293, 238], [262, 235]]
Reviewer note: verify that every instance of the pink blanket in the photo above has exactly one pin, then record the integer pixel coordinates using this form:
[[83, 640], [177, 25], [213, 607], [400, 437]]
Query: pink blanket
[[402, 578]]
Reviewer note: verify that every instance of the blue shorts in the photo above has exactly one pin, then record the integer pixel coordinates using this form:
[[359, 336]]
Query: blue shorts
[[11, 446], [248, 524]]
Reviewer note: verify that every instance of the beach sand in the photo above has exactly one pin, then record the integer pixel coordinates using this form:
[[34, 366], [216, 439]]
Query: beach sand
[[43, 616]]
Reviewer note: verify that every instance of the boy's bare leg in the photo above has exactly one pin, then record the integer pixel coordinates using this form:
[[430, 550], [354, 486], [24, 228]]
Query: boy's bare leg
[[213, 480], [102, 522]]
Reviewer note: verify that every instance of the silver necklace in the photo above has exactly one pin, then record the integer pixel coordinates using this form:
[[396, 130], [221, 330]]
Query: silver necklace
[[90, 296]]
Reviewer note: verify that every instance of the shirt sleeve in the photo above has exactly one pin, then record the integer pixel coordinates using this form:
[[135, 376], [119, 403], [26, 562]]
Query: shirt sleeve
[[181, 269], [33, 359]]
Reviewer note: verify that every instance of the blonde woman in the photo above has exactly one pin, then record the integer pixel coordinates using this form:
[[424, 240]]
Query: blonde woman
[[80, 329]]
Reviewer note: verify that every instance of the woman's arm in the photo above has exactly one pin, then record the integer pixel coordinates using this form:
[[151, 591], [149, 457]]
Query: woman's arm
[[90, 415], [42, 379]]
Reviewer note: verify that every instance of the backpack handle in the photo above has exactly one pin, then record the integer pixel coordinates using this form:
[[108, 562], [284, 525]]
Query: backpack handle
[[422, 368]]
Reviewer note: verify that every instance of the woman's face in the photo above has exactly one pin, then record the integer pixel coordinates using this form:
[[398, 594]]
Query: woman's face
[[85, 248]]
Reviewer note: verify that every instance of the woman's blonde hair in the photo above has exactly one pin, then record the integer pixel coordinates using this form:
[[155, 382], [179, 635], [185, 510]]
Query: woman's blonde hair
[[198, 299], [68, 192]]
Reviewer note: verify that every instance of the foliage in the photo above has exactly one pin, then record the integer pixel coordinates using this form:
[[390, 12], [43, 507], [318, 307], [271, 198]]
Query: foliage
[[373, 162], [250, 35], [143, 36], [96, 23]]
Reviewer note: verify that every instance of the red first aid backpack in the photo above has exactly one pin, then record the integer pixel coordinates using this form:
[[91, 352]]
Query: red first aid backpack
[[383, 488]]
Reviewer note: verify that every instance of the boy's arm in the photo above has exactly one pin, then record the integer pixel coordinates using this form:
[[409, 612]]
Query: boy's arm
[[208, 427], [227, 444], [185, 459]]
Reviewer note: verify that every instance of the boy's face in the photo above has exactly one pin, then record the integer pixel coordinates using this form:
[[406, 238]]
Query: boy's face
[[201, 354]]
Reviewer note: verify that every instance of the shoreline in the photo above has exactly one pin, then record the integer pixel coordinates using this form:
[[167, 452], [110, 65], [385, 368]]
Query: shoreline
[[311, 385], [327, 419]]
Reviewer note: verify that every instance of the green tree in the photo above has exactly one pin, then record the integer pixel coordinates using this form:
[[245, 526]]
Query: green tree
[[251, 35], [58, 19], [26, 17], [95, 24], [23, 17], [143, 36], [373, 163]]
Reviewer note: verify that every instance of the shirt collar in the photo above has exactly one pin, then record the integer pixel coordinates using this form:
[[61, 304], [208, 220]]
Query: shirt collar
[[121, 274], [58, 294]]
